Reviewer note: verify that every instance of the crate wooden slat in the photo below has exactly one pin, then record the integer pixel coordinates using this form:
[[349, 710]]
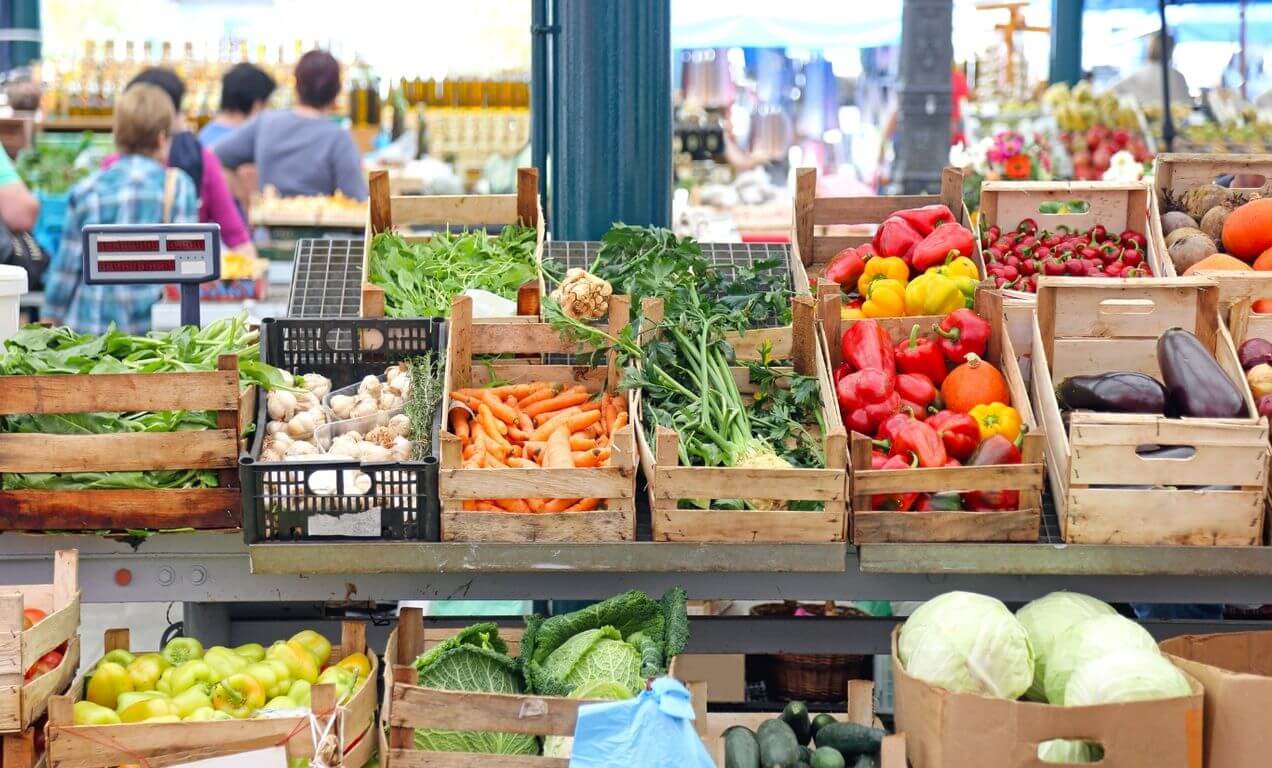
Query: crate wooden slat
[[407, 706], [22, 702], [669, 482], [615, 484], [23, 750], [819, 221], [441, 211], [165, 744], [871, 526], [1097, 476], [1176, 172], [95, 509]]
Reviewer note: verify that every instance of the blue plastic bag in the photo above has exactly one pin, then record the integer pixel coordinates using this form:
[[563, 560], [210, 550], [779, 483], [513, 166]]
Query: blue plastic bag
[[653, 730]]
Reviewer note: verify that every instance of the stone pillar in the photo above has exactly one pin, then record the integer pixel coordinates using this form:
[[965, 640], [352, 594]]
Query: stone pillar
[[923, 96]]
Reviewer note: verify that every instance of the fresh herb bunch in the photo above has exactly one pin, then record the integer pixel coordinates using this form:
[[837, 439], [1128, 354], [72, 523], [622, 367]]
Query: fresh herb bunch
[[51, 168], [421, 278], [35, 350], [644, 262], [423, 402]]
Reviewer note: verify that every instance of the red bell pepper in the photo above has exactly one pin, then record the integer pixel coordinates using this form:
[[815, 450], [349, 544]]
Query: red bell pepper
[[917, 389], [866, 398], [920, 355], [927, 218], [945, 243], [845, 269], [895, 502], [877, 459], [959, 433], [842, 370], [867, 345], [922, 441], [896, 237], [947, 501], [886, 434], [963, 333], [995, 450]]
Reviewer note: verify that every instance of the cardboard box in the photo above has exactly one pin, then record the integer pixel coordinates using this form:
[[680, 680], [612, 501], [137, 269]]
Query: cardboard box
[[1236, 671], [960, 730], [724, 674]]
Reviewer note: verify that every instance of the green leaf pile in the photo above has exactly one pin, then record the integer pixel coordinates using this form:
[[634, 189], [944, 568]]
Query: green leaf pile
[[476, 659]]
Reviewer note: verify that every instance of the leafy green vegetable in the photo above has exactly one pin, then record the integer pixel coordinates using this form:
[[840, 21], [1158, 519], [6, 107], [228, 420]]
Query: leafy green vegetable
[[51, 168], [620, 641], [476, 659], [421, 278], [599, 690]]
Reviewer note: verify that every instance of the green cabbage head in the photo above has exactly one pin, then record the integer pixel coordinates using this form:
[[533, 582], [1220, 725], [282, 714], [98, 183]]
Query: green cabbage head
[[1069, 751], [967, 643], [601, 690], [1125, 675], [1089, 640], [1047, 618]]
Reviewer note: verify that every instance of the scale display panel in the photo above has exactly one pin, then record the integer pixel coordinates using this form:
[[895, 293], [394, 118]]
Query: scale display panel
[[154, 254]]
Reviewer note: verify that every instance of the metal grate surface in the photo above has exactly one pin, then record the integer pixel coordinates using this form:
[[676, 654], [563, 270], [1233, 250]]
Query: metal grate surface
[[326, 279]]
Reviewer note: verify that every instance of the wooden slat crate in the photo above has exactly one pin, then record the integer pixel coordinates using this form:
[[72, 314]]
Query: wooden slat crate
[[1177, 172], [615, 484], [821, 223], [165, 744], [455, 211], [860, 711], [23, 702], [669, 482], [1105, 492], [408, 706], [216, 449], [870, 526], [24, 750]]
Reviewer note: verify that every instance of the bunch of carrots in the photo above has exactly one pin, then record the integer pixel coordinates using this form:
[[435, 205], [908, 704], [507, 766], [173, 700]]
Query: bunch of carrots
[[539, 425]]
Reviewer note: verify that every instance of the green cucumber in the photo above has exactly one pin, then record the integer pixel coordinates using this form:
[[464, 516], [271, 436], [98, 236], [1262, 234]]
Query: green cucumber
[[796, 716], [867, 760], [778, 748], [821, 721], [827, 757], [741, 750], [849, 738]]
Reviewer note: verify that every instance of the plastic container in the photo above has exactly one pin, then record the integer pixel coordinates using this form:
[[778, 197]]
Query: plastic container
[[13, 284], [323, 498]]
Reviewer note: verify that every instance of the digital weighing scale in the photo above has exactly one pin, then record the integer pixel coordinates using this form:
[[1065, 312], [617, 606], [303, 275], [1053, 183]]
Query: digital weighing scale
[[155, 254]]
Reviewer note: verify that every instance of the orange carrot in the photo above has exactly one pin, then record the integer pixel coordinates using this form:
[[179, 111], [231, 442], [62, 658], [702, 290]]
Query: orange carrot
[[544, 418], [557, 453], [563, 400], [536, 505], [497, 407], [558, 505], [493, 463], [459, 424], [578, 442], [513, 390], [594, 405], [583, 420], [518, 435], [619, 422], [603, 456], [545, 429], [469, 450], [487, 419], [512, 505], [586, 458], [520, 463], [608, 414], [544, 392], [470, 505], [584, 505], [525, 422]]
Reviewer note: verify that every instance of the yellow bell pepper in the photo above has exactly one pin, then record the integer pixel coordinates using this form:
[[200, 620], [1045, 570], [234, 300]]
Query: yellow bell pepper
[[206, 715], [274, 683], [238, 695], [851, 313], [119, 656], [88, 713], [281, 702], [145, 671], [251, 651], [300, 692], [343, 679], [318, 645], [996, 419], [299, 660], [960, 266], [223, 662], [358, 663], [108, 681], [146, 709], [191, 700], [884, 298], [195, 673], [883, 268], [932, 294]]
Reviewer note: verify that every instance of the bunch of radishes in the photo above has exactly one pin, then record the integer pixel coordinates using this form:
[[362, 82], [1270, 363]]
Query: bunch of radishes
[[1015, 259]]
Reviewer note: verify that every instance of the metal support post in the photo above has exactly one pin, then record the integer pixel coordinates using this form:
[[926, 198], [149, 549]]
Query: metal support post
[[1066, 41], [924, 95], [609, 157]]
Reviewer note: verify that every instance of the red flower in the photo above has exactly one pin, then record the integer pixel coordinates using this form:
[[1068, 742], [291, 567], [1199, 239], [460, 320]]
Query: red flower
[[1018, 167]]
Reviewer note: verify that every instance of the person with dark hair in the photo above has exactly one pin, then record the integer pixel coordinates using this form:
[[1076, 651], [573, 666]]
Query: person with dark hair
[[216, 204], [301, 151], [245, 89]]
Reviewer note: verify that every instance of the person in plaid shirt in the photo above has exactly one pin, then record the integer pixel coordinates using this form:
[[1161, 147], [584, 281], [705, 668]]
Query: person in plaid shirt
[[137, 189]]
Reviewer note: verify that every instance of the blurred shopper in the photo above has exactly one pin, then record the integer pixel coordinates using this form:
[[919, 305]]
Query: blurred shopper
[[18, 207], [245, 89], [136, 189], [216, 204], [1145, 83], [300, 151]]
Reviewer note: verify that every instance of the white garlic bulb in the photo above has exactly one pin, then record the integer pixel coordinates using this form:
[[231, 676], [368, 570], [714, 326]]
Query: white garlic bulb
[[400, 425], [318, 384], [280, 404], [363, 408], [301, 425], [370, 386]]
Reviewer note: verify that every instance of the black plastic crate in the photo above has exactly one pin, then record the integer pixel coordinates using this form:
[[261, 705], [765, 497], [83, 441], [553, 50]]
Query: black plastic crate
[[279, 503]]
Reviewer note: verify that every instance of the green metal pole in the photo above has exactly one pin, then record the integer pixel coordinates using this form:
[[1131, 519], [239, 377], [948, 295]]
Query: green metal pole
[[1066, 41]]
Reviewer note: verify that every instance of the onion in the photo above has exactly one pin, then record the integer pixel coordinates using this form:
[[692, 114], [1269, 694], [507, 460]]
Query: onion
[[1190, 249], [1173, 220]]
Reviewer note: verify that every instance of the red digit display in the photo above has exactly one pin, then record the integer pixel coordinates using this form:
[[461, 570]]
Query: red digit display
[[149, 245], [185, 245], [137, 265]]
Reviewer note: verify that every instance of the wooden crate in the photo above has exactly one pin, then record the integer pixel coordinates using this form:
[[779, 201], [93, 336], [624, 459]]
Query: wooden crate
[[408, 706], [24, 750], [22, 702], [216, 449], [441, 211], [824, 226], [164, 744], [860, 711], [616, 484], [669, 482], [875, 526], [1097, 478], [1176, 172]]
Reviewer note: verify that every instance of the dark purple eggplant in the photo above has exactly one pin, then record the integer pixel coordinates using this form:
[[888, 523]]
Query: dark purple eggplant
[[1253, 352], [1195, 384], [1118, 392]]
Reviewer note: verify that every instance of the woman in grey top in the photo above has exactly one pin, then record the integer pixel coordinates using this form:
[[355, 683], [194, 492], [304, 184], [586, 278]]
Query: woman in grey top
[[300, 151]]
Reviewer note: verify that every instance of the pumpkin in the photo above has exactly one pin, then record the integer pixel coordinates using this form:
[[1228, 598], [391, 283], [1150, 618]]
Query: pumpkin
[[975, 382], [1219, 262], [1264, 262], [1247, 232]]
